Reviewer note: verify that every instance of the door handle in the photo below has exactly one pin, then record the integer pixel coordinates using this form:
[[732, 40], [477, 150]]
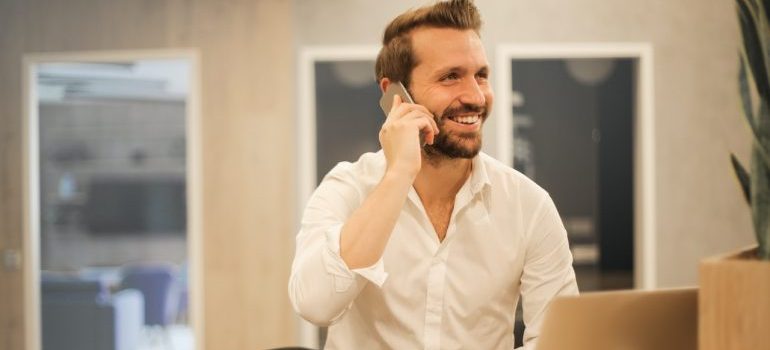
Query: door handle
[[11, 259]]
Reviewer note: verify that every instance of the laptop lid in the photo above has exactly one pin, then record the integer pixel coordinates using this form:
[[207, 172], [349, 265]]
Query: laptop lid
[[623, 320]]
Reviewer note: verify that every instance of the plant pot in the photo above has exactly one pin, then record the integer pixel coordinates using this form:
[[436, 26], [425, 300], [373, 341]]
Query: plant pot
[[734, 302]]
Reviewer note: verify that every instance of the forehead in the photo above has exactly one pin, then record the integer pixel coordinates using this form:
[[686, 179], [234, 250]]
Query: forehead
[[440, 48]]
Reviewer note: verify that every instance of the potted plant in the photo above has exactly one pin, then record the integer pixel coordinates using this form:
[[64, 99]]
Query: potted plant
[[734, 300]]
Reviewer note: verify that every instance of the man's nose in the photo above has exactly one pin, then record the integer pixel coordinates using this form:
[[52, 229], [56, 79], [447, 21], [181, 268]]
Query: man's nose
[[473, 94]]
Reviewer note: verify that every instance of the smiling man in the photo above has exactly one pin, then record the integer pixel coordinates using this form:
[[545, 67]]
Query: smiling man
[[430, 247]]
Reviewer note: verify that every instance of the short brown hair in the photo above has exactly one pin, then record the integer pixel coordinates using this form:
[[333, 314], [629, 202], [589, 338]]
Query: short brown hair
[[396, 59]]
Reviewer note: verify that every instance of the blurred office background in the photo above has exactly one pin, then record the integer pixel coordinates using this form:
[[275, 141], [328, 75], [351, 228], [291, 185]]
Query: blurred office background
[[281, 91]]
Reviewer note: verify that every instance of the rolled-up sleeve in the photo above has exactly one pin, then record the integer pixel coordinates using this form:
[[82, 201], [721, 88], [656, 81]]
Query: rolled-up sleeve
[[321, 286], [548, 271]]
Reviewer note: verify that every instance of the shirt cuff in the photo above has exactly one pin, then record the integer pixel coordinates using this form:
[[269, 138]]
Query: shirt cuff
[[342, 274]]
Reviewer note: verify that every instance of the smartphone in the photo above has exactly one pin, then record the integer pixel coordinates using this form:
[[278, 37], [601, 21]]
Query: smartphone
[[386, 102], [395, 88]]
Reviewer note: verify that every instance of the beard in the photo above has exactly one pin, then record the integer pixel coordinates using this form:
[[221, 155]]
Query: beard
[[453, 145]]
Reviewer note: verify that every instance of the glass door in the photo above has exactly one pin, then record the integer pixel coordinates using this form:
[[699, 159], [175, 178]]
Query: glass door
[[112, 197]]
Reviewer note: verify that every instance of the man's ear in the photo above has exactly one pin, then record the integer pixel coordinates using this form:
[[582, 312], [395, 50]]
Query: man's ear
[[384, 83]]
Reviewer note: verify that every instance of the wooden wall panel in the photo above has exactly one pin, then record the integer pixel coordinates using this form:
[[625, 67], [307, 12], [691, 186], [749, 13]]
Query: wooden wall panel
[[11, 311], [247, 54]]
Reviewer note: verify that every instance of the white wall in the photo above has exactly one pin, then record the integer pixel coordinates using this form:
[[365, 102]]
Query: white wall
[[699, 208]]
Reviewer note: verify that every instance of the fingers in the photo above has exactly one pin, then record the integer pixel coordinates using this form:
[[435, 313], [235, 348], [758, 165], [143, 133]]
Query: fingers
[[423, 123], [401, 108], [404, 109], [396, 102], [404, 115]]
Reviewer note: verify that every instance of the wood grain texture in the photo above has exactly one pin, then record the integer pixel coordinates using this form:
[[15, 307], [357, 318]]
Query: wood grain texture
[[734, 302], [247, 52]]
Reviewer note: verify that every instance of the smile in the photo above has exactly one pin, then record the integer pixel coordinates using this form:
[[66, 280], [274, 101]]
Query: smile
[[468, 120]]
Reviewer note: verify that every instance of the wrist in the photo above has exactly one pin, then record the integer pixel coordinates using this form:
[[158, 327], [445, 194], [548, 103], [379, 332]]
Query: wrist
[[401, 177]]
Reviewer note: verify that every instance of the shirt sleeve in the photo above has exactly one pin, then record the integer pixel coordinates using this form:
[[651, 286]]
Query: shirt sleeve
[[548, 271], [321, 286]]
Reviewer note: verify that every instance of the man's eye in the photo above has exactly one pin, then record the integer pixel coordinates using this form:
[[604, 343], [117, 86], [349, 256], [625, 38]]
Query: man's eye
[[450, 76]]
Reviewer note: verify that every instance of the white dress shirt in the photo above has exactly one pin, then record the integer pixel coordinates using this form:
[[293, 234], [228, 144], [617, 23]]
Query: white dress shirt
[[505, 238]]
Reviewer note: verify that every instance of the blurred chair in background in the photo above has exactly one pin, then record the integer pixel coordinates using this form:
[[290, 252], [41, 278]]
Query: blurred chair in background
[[184, 294], [82, 314], [158, 284]]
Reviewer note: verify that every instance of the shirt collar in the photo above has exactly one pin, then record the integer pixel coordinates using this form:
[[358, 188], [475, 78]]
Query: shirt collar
[[479, 177], [478, 180]]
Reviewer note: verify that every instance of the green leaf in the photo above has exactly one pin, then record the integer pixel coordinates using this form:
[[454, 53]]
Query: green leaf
[[753, 47], [743, 177], [760, 202], [763, 116], [764, 6], [748, 109], [754, 20], [761, 133]]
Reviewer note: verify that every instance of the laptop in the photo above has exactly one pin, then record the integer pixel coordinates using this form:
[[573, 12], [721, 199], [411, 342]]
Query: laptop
[[623, 320]]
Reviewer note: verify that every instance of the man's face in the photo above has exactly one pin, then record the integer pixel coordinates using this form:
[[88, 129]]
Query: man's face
[[450, 79]]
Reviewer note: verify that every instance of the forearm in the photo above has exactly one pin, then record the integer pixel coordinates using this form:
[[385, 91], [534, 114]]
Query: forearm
[[366, 232], [320, 286]]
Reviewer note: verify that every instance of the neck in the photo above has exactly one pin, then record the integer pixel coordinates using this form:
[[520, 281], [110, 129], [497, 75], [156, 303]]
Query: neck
[[441, 179]]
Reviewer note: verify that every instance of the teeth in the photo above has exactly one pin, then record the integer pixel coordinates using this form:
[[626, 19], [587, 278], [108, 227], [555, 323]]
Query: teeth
[[467, 120]]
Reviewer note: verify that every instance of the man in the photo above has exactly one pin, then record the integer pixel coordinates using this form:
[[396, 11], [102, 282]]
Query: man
[[429, 247]]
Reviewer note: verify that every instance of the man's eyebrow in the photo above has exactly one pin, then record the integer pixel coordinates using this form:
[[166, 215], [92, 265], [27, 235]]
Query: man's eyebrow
[[459, 69], [450, 69]]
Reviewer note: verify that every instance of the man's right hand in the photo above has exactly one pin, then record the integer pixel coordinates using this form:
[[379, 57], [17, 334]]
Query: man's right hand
[[400, 136], [366, 232]]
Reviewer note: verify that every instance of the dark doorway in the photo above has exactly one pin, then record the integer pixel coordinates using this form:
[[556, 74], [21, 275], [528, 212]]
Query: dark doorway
[[573, 135]]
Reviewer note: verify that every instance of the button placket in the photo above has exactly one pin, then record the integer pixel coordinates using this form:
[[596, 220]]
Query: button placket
[[434, 303]]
